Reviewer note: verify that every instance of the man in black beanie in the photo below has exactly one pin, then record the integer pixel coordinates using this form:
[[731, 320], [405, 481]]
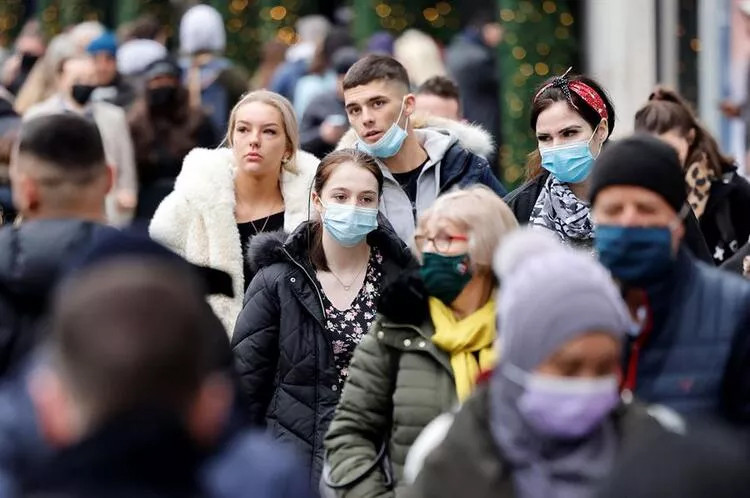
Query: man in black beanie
[[692, 352]]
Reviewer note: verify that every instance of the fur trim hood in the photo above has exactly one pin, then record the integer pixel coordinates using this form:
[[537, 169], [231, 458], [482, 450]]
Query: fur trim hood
[[471, 136], [266, 249]]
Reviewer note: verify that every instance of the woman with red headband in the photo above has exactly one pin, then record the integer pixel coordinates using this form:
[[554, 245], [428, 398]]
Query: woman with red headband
[[572, 118]]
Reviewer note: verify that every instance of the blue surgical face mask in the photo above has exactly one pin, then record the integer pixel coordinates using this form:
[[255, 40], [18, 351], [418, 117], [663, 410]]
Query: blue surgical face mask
[[391, 141], [348, 224], [569, 163], [635, 255]]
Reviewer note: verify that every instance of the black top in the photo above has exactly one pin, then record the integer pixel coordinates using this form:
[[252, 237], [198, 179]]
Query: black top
[[270, 223], [408, 182]]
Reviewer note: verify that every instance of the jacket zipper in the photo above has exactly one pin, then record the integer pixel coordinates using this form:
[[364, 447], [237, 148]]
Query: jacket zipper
[[317, 291], [453, 179]]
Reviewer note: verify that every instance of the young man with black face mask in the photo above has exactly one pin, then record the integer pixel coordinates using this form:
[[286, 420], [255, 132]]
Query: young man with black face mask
[[76, 81], [164, 128], [691, 351]]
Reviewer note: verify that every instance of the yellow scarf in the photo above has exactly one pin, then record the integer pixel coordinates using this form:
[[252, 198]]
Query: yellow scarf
[[461, 338]]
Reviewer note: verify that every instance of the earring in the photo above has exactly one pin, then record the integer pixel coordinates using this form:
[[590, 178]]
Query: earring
[[284, 160]]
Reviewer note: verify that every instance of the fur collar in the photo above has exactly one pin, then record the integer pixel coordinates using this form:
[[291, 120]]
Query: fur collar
[[269, 248], [471, 136], [207, 181]]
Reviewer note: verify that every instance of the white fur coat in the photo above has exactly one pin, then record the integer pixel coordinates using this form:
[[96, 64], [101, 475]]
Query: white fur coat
[[197, 219]]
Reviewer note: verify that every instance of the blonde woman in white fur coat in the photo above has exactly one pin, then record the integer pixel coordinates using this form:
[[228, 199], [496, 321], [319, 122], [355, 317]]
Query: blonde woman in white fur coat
[[223, 196]]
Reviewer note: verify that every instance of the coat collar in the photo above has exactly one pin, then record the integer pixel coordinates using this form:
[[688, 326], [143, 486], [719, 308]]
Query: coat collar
[[472, 137], [207, 181]]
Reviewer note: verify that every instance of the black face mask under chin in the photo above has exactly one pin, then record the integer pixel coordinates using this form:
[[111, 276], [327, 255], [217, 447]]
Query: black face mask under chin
[[161, 97], [82, 93]]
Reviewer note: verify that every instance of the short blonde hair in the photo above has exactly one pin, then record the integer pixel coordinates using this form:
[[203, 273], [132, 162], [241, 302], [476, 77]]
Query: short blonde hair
[[289, 119], [481, 213]]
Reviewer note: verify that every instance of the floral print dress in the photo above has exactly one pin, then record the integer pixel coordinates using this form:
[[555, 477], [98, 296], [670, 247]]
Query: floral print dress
[[347, 327]]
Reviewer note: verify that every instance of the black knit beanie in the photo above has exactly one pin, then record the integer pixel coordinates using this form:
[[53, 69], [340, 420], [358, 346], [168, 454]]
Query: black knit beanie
[[641, 161]]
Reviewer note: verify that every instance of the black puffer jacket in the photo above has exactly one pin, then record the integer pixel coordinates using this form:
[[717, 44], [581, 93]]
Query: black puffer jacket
[[32, 256], [283, 354], [726, 221]]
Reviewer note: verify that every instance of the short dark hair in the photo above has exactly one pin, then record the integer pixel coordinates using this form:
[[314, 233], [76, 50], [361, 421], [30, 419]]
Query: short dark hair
[[375, 67], [440, 86], [67, 142], [132, 333]]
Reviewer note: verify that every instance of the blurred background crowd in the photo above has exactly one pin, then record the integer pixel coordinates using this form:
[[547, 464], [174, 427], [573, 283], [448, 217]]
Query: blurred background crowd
[[496, 52]]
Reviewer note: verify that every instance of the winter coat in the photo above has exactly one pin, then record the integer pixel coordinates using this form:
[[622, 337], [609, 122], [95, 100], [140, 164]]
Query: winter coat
[[283, 354], [522, 200], [456, 158], [468, 462], [146, 453], [10, 124], [399, 381], [197, 219], [32, 258], [118, 146], [119, 92], [693, 353], [726, 220], [221, 84], [473, 66], [322, 106]]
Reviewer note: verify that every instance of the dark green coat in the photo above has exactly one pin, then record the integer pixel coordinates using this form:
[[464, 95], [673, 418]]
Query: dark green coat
[[398, 382], [469, 463]]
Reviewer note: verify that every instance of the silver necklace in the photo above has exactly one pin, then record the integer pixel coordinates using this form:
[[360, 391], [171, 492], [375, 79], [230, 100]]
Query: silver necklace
[[264, 224], [347, 287], [263, 227]]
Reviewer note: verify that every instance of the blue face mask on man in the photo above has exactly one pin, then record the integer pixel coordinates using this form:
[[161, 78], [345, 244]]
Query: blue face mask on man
[[636, 255], [348, 224], [569, 163], [390, 143]]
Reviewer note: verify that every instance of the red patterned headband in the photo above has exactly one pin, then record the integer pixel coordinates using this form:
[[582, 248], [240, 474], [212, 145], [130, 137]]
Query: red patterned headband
[[587, 94]]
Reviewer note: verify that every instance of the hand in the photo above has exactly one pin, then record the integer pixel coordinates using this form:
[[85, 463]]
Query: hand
[[730, 109], [126, 200], [331, 134]]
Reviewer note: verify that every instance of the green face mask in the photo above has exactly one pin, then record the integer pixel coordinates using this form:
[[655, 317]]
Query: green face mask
[[445, 276]]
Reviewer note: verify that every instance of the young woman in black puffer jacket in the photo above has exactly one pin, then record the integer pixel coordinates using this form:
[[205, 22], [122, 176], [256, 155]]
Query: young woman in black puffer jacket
[[312, 299]]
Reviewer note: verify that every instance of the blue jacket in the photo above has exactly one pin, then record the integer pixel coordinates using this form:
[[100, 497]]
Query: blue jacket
[[695, 354]]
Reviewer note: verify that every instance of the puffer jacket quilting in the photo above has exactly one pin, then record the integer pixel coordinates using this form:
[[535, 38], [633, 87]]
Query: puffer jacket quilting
[[283, 355]]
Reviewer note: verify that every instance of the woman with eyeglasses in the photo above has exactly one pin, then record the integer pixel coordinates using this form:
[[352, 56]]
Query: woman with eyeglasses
[[433, 336]]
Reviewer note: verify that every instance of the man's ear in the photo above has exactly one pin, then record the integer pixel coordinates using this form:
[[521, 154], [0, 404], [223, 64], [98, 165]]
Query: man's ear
[[53, 407], [26, 194], [410, 104], [210, 409]]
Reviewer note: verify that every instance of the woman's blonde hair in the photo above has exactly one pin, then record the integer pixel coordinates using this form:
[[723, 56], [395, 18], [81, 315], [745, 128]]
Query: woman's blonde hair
[[481, 213], [289, 119]]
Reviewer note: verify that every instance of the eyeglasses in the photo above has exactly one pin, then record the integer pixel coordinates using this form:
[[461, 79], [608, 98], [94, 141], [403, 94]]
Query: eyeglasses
[[442, 243]]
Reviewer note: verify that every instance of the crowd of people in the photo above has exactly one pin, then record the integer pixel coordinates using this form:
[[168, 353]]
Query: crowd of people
[[312, 283]]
